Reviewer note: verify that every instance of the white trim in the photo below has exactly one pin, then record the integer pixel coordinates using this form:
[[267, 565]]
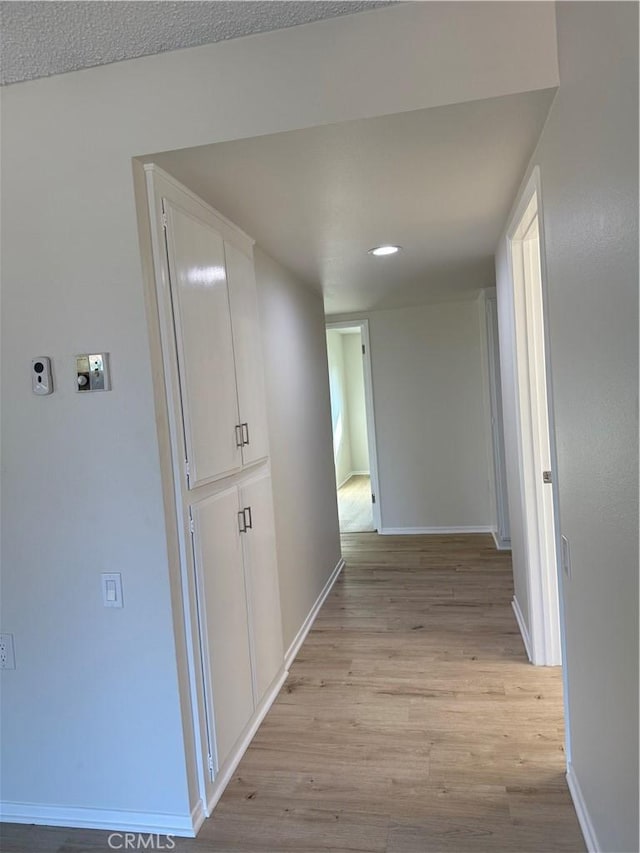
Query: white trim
[[172, 464], [353, 474], [584, 819], [229, 230], [227, 770], [501, 544], [543, 580], [419, 531], [497, 428], [198, 817], [300, 637], [523, 628], [363, 325], [84, 818]]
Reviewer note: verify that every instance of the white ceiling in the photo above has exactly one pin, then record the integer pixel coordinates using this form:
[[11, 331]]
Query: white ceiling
[[38, 39], [438, 182]]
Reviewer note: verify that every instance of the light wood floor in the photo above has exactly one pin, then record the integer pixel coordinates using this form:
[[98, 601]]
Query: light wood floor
[[410, 722], [354, 505]]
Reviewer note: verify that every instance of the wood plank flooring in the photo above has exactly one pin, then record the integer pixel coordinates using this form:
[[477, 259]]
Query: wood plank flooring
[[411, 722], [354, 505]]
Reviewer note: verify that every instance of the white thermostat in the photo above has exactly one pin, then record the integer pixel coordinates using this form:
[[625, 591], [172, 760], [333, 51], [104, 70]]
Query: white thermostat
[[41, 380], [92, 372]]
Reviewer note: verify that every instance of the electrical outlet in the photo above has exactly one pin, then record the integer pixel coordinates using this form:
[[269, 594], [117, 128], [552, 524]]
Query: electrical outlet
[[7, 655]]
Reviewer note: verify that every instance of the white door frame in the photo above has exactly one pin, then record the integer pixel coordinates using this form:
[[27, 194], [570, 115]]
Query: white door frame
[[542, 545], [503, 535], [363, 325]]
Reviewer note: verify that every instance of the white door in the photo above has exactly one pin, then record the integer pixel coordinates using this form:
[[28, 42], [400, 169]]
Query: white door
[[248, 348], [222, 610], [262, 580], [204, 345]]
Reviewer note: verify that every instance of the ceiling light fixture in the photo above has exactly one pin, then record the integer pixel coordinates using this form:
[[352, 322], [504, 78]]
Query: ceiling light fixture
[[381, 251]]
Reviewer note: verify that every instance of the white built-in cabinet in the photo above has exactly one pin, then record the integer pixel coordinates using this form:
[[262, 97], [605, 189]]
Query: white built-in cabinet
[[217, 341], [213, 385]]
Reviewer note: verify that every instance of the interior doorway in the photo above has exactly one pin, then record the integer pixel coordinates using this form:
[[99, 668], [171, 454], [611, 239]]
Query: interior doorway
[[354, 449], [537, 448]]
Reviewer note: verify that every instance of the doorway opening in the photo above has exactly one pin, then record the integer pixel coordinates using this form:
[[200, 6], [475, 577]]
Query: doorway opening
[[536, 433], [354, 450]]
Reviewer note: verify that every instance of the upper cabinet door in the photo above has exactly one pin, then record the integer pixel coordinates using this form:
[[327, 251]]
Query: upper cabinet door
[[204, 344], [248, 350]]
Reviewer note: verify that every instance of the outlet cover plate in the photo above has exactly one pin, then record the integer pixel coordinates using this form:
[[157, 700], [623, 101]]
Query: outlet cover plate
[[7, 654]]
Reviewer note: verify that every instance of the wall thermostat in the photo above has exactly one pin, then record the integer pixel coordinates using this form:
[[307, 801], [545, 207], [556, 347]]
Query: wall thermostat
[[92, 372], [41, 379]]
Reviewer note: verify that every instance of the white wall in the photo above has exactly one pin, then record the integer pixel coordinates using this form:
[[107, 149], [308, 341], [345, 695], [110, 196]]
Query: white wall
[[354, 378], [340, 420], [304, 489], [91, 715], [431, 421], [588, 156]]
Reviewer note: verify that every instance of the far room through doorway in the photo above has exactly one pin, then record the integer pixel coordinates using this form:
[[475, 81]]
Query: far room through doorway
[[351, 441]]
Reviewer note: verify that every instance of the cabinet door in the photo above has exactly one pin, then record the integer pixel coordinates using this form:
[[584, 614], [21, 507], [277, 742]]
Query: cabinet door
[[223, 618], [261, 570], [248, 351], [204, 343]]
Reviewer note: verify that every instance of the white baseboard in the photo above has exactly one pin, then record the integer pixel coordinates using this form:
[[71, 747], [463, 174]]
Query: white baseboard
[[522, 625], [300, 637], [501, 544], [198, 817], [590, 838], [353, 474], [83, 818], [227, 770], [420, 531]]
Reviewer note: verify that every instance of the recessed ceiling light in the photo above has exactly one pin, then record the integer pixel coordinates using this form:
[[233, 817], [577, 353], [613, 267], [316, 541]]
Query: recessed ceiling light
[[381, 251]]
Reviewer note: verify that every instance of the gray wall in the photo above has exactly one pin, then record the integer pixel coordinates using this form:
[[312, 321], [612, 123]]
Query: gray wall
[[304, 487], [588, 155], [432, 425]]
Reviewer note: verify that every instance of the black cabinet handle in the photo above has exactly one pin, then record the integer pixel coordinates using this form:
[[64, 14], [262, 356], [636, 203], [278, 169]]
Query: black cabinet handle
[[242, 521], [248, 524], [239, 438], [245, 433]]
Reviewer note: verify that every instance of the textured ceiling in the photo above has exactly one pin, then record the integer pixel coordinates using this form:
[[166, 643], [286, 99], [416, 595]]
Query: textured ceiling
[[38, 39], [438, 182]]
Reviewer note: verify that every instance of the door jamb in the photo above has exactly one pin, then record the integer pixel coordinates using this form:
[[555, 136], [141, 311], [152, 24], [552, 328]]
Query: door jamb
[[363, 325], [547, 650], [497, 431]]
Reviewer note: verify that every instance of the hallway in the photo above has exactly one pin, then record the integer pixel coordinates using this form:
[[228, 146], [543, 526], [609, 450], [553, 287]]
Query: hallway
[[410, 722]]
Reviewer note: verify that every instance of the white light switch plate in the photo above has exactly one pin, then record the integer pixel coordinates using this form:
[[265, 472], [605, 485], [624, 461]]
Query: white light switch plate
[[112, 589]]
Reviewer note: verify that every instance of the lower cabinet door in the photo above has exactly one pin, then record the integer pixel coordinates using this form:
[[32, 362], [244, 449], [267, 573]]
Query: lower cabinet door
[[261, 572], [223, 618]]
